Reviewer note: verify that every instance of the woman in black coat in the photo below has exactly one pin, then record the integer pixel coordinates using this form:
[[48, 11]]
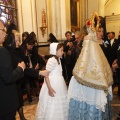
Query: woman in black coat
[[29, 55], [12, 44]]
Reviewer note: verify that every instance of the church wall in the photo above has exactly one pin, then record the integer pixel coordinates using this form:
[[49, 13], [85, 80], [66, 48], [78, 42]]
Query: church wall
[[26, 16], [92, 5], [112, 7], [112, 13], [58, 16]]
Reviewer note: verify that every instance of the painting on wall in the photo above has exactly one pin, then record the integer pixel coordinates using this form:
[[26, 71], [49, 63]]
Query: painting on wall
[[74, 13], [8, 12]]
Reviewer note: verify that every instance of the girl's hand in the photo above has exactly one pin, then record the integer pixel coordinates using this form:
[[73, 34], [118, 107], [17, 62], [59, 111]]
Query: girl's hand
[[51, 92], [44, 73]]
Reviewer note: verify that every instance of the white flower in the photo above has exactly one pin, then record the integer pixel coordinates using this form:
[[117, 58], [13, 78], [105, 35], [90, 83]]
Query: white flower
[[106, 42]]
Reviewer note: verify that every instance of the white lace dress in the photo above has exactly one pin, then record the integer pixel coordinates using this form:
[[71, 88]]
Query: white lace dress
[[53, 108]]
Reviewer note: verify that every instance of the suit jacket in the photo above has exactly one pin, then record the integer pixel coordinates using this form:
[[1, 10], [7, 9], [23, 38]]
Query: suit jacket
[[118, 56], [8, 88], [113, 51], [106, 48]]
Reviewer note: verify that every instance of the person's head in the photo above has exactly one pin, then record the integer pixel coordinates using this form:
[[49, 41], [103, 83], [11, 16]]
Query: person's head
[[59, 52], [68, 35], [77, 36], [17, 38], [30, 42], [100, 33], [111, 35], [108, 33], [52, 38], [2, 32], [11, 27], [56, 49], [32, 34], [24, 35], [12, 40]]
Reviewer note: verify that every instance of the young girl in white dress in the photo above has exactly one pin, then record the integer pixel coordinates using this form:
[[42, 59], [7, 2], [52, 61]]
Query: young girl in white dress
[[52, 103]]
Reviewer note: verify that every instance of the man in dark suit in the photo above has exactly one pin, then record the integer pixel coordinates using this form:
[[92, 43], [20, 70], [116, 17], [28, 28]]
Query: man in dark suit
[[8, 77], [114, 46], [113, 54], [69, 56], [77, 44]]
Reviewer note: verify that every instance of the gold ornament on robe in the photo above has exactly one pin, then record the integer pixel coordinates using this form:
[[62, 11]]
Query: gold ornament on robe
[[92, 68]]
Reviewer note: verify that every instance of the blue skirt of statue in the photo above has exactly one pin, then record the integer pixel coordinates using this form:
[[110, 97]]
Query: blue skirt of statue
[[86, 103]]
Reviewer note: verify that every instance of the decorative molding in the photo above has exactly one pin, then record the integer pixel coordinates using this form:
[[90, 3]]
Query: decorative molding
[[106, 2], [113, 17], [76, 0]]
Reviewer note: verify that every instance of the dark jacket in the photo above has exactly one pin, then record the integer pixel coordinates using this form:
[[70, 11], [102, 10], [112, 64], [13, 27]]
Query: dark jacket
[[113, 51], [8, 88], [118, 56]]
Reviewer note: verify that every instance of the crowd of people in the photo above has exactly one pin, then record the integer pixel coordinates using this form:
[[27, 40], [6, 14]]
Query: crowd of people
[[79, 74], [16, 64]]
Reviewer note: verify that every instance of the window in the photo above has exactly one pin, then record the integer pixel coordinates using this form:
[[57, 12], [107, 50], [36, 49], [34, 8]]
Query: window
[[8, 11]]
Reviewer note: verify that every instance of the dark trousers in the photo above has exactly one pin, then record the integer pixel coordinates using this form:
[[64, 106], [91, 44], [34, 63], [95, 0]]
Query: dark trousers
[[10, 116], [118, 77], [69, 68]]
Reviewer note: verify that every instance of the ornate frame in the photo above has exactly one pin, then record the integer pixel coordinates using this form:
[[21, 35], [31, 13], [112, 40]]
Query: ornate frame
[[75, 14]]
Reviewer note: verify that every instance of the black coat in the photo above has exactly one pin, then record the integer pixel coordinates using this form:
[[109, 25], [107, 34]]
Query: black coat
[[106, 48], [113, 51], [8, 89], [118, 56]]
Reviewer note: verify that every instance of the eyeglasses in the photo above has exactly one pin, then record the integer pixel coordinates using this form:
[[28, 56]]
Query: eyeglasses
[[4, 29]]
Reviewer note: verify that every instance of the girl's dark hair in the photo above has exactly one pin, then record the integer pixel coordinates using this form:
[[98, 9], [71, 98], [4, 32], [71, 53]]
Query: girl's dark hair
[[58, 47], [30, 40], [25, 34], [33, 34]]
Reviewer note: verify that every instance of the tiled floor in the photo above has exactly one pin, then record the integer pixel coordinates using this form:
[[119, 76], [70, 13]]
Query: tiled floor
[[115, 104], [30, 109]]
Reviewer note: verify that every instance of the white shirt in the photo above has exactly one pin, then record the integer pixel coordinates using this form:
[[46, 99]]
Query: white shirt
[[111, 41]]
